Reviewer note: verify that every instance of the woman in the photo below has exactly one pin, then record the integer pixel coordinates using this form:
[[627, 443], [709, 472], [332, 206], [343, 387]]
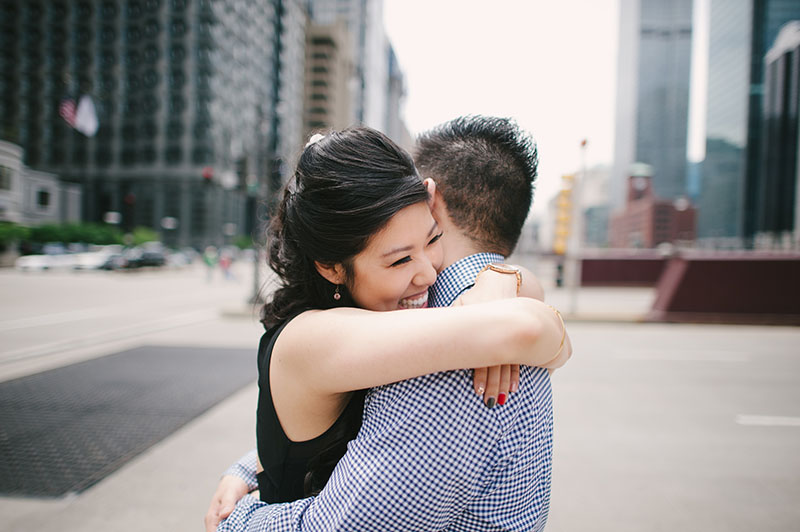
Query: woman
[[354, 234]]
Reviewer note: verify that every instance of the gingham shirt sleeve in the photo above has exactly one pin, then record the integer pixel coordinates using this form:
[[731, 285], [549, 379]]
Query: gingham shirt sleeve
[[245, 469], [427, 448]]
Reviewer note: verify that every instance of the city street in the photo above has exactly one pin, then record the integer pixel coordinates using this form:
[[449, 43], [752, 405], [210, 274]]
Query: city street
[[658, 426]]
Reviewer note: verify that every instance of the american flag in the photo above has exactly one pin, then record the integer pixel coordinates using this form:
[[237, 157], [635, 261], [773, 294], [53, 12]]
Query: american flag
[[67, 110]]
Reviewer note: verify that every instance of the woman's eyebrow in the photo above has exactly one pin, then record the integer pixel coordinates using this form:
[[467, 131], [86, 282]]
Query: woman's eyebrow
[[408, 248]]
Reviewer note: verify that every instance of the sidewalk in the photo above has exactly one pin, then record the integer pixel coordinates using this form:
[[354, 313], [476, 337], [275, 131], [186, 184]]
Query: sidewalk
[[168, 487], [592, 304], [602, 304]]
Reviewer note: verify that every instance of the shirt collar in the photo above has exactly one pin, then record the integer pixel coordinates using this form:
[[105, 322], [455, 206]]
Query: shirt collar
[[458, 277]]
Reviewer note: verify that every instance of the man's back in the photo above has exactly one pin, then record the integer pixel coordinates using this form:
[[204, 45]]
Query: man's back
[[464, 466]]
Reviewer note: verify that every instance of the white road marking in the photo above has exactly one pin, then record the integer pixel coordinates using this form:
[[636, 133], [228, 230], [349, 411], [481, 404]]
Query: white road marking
[[768, 421], [694, 355]]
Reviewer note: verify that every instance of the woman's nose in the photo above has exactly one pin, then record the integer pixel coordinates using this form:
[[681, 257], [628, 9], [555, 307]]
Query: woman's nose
[[427, 273]]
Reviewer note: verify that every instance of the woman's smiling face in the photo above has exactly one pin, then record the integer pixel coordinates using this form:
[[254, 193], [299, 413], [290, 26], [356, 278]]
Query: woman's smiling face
[[399, 263]]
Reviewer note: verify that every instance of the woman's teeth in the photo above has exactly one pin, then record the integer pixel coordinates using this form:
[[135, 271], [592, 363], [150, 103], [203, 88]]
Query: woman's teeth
[[415, 302]]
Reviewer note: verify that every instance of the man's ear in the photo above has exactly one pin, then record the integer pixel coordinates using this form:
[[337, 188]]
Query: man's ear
[[334, 273], [430, 186]]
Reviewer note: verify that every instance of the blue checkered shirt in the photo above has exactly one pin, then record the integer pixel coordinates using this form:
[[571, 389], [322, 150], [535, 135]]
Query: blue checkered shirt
[[430, 455]]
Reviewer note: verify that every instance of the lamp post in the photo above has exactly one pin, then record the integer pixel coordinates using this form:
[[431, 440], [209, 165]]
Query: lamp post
[[575, 246]]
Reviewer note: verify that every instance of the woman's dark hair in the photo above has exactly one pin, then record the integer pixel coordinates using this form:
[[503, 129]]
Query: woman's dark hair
[[347, 186]]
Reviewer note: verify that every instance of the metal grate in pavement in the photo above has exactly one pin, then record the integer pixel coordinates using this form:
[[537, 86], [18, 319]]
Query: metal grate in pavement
[[63, 430]]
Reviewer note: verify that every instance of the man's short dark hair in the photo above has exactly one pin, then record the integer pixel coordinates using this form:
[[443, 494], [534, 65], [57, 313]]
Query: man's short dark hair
[[485, 169]]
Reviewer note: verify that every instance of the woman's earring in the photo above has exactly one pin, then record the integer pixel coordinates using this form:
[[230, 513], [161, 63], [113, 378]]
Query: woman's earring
[[336, 295]]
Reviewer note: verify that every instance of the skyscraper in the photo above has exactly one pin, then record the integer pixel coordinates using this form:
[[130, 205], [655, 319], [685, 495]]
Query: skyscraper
[[722, 172], [186, 95], [740, 33], [363, 20], [329, 70], [653, 94], [778, 187]]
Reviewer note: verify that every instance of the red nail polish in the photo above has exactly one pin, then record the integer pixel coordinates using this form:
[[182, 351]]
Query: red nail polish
[[501, 399]]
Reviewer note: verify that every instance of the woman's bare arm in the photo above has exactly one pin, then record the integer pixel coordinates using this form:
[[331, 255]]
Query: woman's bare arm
[[340, 350]]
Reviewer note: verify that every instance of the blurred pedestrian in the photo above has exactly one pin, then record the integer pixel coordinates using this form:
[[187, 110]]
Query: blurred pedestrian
[[210, 259], [225, 263]]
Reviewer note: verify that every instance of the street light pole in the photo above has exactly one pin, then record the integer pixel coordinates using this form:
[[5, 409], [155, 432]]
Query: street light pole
[[575, 246]]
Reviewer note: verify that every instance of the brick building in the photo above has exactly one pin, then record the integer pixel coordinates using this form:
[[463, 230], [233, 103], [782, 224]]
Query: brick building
[[647, 221]]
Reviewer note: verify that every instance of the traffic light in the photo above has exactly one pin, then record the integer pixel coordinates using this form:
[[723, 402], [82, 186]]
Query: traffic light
[[563, 215]]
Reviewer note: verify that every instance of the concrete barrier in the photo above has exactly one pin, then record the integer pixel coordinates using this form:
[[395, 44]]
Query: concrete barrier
[[735, 287], [622, 268]]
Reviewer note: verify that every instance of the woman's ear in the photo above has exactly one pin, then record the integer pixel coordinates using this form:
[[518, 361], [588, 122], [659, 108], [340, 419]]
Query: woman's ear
[[430, 186], [334, 273]]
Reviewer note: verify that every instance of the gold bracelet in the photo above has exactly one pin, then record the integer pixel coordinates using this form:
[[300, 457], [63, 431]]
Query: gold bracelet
[[503, 268], [563, 330]]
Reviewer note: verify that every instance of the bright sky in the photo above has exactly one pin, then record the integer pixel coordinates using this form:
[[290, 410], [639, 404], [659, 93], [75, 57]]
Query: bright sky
[[551, 65]]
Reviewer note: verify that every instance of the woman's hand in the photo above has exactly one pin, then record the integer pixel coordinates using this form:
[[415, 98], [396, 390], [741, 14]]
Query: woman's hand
[[496, 383]]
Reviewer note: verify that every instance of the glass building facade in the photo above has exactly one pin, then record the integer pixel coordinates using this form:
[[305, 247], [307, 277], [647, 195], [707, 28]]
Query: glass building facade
[[665, 50], [732, 190], [721, 196], [652, 113], [185, 92], [777, 187]]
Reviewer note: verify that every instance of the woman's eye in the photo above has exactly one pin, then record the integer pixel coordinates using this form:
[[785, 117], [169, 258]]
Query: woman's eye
[[401, 261], [436, 238]]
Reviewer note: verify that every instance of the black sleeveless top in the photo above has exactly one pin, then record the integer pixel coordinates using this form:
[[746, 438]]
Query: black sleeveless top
[[294, 470]]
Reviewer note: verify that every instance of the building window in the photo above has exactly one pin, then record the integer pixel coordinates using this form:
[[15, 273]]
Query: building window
[[151, 28], [43, 199], [5, 178], [102, 156], [202, 155], [109, 10], [56, 155], [149, 129], [174, 129], [176, 105], [177, 79], [128, 155], [174, 155], [148, 154], [177, 28]]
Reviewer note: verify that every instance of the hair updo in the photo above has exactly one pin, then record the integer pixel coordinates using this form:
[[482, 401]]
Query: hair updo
[[347, 186]]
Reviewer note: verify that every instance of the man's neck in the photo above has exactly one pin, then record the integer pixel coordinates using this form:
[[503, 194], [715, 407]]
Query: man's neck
[[456, 246]]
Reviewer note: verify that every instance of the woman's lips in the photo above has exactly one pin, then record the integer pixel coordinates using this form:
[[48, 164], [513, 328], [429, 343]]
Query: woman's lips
[[417, 301]]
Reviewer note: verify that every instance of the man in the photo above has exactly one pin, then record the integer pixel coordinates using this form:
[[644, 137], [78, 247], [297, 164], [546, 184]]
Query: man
[[429, 455]]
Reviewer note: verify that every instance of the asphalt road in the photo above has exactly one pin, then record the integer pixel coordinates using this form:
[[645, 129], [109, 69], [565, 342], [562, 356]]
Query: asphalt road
[[52, 317], [658, 427], [678, 427]]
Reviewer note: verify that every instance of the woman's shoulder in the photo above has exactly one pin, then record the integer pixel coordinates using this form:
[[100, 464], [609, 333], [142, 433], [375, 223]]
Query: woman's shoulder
[[268, 339]]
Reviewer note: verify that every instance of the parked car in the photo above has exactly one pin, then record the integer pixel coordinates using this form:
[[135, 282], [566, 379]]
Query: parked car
[[100, 258], [114, 261], [146, 255], [33, 263]]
